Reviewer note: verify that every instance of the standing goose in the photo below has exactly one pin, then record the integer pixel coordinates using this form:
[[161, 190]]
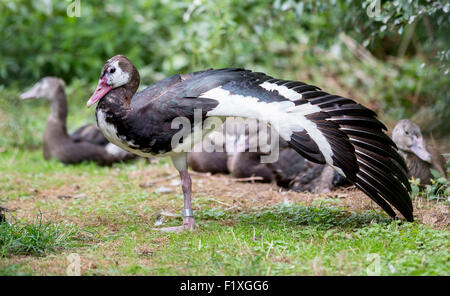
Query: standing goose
[[321, 127], [85, 144]]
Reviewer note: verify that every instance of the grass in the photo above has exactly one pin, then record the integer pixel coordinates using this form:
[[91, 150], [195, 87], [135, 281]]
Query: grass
[[37, 238], [439, 189], [108, 207], [105, 216]]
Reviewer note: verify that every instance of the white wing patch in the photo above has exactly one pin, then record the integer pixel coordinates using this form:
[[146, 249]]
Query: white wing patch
[[246, 106], [284, 116], [284, 91]]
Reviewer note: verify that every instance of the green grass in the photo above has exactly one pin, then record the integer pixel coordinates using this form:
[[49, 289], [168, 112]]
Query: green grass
[[36, 238], [318, 239], [108, 219]]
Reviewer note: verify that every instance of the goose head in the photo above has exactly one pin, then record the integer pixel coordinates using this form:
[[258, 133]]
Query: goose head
[[118, 72], [408, 138], [47, 88]]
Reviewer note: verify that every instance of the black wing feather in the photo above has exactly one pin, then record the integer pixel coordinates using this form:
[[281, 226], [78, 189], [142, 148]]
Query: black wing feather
[[361, 149]]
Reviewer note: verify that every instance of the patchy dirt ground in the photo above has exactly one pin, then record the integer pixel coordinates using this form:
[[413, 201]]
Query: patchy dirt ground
[[229, 194], [243, 194], [116, 208]]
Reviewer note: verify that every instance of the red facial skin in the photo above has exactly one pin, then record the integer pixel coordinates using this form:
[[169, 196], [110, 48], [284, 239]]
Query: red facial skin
[[102, 89]]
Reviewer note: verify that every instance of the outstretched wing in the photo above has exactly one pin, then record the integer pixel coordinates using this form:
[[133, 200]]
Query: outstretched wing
[[323, 128]]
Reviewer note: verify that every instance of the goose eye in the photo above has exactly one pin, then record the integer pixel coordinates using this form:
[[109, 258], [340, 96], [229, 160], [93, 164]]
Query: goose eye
[[112, 70], [406, 132]]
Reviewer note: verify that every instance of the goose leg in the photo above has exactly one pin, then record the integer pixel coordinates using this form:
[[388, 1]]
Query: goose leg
[[180, 162], [188, 214]]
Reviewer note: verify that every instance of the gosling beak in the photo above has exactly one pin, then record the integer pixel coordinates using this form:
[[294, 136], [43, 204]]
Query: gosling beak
[[30, 94], [418, 148]]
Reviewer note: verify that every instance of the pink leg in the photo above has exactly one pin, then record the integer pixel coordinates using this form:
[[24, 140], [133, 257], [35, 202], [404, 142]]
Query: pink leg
[[188, 216]]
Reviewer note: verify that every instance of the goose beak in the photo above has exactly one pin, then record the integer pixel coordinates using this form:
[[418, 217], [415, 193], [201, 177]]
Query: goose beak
[[102, 89], [29, 94], [418, 148]]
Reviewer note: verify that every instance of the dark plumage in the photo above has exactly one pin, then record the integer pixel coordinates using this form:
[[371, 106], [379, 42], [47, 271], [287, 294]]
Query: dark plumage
[[290, 170], [306, 117], [85, 144], [89, 133], [248, 164], [207, 162]]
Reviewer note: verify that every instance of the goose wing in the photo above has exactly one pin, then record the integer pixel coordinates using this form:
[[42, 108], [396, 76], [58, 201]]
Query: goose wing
[[89, 133], [322, 127]]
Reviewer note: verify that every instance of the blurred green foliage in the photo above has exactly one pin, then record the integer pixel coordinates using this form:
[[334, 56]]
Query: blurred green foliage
[[403, 63]]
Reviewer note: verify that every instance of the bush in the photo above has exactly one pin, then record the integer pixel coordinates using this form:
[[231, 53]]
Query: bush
[[282, 37]]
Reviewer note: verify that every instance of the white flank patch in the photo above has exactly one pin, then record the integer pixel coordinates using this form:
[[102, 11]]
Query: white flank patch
[[108, 130], [119, 77], [282, 90], [284, 116]]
